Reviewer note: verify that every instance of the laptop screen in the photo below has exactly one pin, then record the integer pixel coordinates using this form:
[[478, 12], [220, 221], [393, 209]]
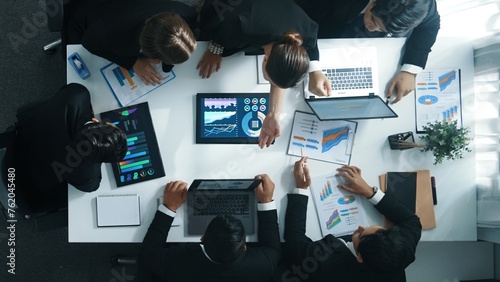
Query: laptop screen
[[225, 184], [367, 107], [142, 161]]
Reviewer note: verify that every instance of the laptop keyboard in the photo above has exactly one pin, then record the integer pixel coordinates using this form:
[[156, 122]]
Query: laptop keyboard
[[222, 204], [350, 78]]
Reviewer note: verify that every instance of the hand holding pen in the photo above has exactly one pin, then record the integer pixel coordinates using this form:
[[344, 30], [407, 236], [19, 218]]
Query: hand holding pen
[[301, 173]]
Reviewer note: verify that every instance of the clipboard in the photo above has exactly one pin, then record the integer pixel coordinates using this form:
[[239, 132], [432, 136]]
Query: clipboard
[[424, 205]]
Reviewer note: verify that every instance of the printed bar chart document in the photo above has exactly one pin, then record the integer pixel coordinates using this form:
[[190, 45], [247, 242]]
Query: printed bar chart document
[[339, 211], [438, 97], [126, 86], [329, 141]]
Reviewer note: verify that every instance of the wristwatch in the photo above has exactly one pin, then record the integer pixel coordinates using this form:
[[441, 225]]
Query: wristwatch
[[375, 190]]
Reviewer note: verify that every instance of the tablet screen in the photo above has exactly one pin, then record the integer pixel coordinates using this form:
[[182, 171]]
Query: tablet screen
[[142, 161], [234, 118]]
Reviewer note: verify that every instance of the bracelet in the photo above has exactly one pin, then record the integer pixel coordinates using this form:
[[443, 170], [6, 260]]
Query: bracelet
[[215, 48]]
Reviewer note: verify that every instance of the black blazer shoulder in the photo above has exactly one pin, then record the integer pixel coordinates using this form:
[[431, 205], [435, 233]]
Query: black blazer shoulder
[[250, 24], [187, 262], [330, 255], [47, 135], [114, 27]]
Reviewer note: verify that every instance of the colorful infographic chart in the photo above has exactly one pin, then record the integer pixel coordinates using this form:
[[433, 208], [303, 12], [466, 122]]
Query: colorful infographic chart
[[329, 141], [339, 211], [126, 86], [142, 160], [438, 97], [233, 117]]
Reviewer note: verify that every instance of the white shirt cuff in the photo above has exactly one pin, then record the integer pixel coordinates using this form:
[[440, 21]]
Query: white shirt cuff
[[301, 191], [162, 208], [314, 66], [411, 68], [266, 206], [377, 197]]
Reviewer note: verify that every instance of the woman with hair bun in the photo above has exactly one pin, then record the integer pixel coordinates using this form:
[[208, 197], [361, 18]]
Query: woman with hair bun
[[282, 30], [133, 34]]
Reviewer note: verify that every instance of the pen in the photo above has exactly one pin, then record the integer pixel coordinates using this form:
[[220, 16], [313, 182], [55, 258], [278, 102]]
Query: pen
[[387, 100], [433, 185], [301, 156]]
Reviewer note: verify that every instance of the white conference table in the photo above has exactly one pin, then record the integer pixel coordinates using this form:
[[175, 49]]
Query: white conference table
[[173, 111]]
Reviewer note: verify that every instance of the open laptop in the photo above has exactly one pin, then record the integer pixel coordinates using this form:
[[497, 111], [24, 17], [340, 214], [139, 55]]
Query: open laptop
[[208, 198], [352, 71], [350, 108]]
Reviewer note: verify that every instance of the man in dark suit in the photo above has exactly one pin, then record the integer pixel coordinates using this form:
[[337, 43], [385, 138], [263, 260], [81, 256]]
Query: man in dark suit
[[61, 142], [133, 34], [373, 253], [222, 254], [418, 20]]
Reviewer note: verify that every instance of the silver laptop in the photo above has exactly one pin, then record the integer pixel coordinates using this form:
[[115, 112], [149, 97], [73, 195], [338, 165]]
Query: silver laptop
[[208, 198], [350, 108], [352, 71]]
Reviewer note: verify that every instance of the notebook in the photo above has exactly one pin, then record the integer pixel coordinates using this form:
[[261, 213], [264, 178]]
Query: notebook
[[350, 108], [143, 160], [352, 71], [208, 198], [414, 190], [118, 210]]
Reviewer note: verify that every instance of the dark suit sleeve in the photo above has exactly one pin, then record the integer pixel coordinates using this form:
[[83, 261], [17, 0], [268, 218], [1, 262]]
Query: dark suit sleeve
[[422, 38], [269, 237], [405, 219], [299, 248], [295, 219], [153, 251]]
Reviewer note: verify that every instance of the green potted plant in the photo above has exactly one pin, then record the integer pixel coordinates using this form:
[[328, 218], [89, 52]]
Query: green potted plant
[[446, 140]]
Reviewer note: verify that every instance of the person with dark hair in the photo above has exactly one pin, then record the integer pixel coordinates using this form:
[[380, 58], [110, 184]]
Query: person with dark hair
[[372, 253], [418, 20], [222, 255], [279, 28], [133, 34], [61, 142]]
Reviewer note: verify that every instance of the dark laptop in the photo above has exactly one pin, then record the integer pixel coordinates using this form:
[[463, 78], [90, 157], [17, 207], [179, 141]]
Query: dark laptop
[[208, 198], [350, 108]]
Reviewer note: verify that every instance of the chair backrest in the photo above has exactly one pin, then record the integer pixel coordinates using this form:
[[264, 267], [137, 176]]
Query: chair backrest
[[55, 14]]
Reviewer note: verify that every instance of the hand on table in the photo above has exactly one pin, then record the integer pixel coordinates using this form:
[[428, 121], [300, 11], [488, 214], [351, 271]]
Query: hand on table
[[270, 130], [357, 184], [301, 173], [175, 195], [402, 84], [319, 84], [208, 64], [264, 191], [146, 71]]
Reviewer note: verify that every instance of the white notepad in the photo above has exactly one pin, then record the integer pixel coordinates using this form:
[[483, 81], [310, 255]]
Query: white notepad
[[118, 210]]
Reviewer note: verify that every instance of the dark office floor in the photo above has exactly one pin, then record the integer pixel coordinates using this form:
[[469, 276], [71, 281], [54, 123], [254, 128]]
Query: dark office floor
[[27, 74]]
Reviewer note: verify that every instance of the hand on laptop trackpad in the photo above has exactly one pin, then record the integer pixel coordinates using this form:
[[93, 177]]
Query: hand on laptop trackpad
[[178, 217]]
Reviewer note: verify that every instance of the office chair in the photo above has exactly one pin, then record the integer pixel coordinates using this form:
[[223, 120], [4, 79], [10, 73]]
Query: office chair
[[55, 15], [12, 201]]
